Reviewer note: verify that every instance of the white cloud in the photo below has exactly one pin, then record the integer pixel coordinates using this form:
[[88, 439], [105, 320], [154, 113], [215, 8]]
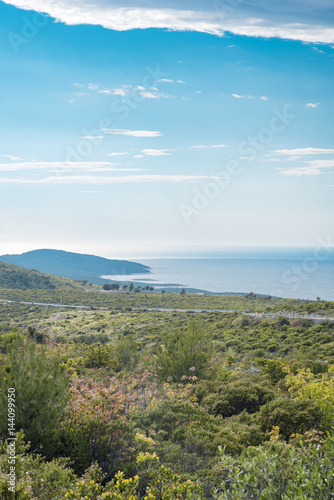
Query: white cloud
[[132, 133], [11, 157], [181, 82], [155, 152], [149, 95], [92, 137], [293, 158], [237, 96], [122, 92], [126, 90], [265, 19], [301, 171], [313, 105], [264, 98], [62, 166], [117, 154], [165, 80], [314, 168], [303, 151], [205, 147], [90, 179], [153, 94], [321, 163]]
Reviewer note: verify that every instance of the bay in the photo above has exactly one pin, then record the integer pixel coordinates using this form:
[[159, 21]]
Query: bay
[[289, 273]]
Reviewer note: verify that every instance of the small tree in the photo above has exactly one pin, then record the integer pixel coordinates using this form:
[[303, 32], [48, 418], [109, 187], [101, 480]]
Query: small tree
[[185, 353], [41, 392]]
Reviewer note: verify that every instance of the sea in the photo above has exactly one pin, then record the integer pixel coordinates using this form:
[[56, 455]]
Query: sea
[[300, 273]]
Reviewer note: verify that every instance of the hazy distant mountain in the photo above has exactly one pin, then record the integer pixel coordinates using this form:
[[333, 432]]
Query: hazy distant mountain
[[73, 265], [17, 277]]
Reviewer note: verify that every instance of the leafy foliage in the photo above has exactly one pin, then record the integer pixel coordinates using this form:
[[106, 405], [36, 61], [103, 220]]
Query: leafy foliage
[[136, 403], [41, 392]]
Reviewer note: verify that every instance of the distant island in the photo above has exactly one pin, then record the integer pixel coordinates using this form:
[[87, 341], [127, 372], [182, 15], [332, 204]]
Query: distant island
[[74, 265]]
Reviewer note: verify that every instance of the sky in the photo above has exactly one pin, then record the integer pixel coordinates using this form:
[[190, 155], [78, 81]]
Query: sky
[[134, 127]]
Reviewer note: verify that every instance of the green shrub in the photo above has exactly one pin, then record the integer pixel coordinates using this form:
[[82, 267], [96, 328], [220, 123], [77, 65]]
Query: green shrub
[[41, 392]]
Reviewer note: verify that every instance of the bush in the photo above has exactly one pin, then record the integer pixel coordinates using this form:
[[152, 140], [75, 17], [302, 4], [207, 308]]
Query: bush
[[277, 471], [41, 392], [186, 352], [291, 416], [242, 393]]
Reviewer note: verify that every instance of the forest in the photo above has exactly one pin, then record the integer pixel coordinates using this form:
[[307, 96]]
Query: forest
[[117, 399]]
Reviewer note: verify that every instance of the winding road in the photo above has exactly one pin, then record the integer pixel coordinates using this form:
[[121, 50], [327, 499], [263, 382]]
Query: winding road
[[314, 317]]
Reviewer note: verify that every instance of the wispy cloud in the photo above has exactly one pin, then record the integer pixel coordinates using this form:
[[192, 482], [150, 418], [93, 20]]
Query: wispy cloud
[[126, 90], [316, 49], [132, 133], [248, 96], [265, 19], [11, 157], [118, 154], [313, 105], [58, 166], [208, 146], [92, 137], [90, 179], [314, 167], [155, 152], [238, 96], [147, 94], [303, 151]]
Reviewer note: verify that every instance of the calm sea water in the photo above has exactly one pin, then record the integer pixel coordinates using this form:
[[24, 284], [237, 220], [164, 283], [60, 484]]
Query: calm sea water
[[291, 273]]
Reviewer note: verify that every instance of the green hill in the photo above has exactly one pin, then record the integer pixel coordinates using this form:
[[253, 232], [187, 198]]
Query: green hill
[[16, 277], [73, 265]]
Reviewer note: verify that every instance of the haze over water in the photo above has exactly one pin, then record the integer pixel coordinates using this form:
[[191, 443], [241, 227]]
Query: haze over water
[[291, 273]]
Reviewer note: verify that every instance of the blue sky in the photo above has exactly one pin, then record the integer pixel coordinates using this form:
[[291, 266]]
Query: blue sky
[[129, 127]]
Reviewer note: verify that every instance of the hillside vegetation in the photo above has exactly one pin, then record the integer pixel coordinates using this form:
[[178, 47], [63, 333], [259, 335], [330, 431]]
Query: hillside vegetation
[[16, 277], [73, 265], [124, 403]]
